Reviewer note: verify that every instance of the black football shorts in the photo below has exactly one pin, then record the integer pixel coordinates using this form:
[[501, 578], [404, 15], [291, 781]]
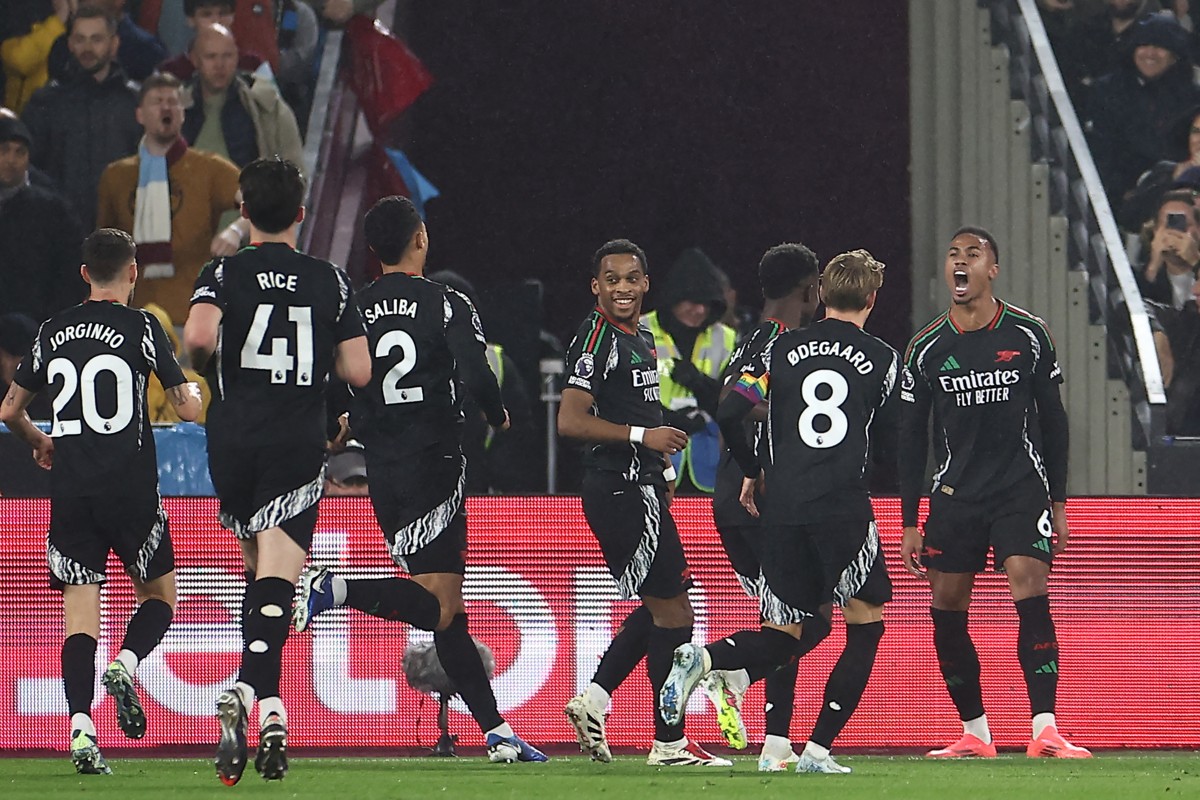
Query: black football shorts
[[637, 535], [84, 529], [743, 544], [1014, 522], [806, 566], [420, 507], [275, 486]]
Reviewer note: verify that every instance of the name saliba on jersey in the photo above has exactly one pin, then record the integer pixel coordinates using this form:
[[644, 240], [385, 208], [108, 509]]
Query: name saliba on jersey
[[390, 306], [978, 388]]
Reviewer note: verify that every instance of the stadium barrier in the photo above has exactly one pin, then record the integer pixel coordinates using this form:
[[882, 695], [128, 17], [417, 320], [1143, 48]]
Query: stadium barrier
[[1126, 600]]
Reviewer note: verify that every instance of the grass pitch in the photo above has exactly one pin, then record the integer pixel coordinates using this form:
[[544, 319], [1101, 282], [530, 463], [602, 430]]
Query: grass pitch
[[1127, 775]]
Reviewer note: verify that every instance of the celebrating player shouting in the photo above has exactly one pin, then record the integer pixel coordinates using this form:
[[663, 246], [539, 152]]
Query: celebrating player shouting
[[988, 372]]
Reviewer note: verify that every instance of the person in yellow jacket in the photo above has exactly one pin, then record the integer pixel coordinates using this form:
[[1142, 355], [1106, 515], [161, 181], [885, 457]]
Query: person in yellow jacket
[[693, 347], [28, 31], [159, 406]]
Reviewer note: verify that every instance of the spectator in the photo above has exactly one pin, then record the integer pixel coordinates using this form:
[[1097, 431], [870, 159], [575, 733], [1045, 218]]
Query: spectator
[[174, 213], [1183, 142], [235, 114], [201, 14], [17, 332], [39, 235], [497, 460], [1168, 273], [138, 53], [158, 404], [253, 25], [30, 28], [1133, 107], [693, 348], [1181, 366], [85, 122], [298, 37], [1090, 46]]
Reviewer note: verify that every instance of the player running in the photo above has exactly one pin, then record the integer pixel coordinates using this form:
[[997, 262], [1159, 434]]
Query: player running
[[827, 383], [269, 324], [104, 481], [427, 343]]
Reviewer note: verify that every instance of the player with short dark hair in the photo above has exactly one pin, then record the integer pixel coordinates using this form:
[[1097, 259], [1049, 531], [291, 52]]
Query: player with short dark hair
[[104, 481], [427, 343], [269, 324], [827, 384], [611, 402], [788, 274], [988, 372]]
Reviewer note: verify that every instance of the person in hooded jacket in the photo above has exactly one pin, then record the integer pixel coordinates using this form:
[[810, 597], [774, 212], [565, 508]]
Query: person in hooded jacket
[[1134, 107], [692, 347]]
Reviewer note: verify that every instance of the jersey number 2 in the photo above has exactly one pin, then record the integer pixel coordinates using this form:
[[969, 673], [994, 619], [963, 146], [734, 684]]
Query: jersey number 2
[[393, 392], [830, 408], [85, 381], [279, 361]]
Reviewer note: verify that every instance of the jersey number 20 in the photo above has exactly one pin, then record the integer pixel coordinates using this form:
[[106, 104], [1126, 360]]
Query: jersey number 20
[[830, 408], [85, 382]]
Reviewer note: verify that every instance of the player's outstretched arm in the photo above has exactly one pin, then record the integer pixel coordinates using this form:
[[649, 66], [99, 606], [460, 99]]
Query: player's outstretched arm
[[575, 421], [13, 415], [352, 361]]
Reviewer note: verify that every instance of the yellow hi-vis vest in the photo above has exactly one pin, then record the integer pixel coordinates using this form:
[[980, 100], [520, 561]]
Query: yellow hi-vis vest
[[711, 353]]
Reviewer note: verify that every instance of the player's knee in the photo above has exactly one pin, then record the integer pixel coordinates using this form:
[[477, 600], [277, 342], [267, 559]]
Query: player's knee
[[448, 613], [814, 631]]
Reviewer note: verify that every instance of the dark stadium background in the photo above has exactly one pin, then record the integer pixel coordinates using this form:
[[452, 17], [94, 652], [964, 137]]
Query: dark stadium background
[[553, 126]]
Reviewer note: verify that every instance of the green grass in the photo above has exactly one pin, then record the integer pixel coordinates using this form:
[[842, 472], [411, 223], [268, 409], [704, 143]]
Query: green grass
[[1161, 775]]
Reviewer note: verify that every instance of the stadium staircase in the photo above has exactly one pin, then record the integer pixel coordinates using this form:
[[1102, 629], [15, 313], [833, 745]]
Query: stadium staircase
[[995, 142]]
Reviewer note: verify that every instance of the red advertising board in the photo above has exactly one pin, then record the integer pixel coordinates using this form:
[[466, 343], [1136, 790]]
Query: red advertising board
[[1126, 599]]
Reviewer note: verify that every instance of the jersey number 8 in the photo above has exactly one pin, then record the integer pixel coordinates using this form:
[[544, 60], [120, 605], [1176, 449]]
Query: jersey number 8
[[85, 381], [830, 408]]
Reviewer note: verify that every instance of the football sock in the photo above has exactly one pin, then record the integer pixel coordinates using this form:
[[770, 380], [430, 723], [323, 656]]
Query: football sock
[[812, 634], [503, 730], [395, 599], [1037, 649], [129, 659], [460, 659], [79, 672], [597, 695], [958, 661], [266, 619], [338, 584], [766, 649], [847, 682], [659, 652], [978, 727], [776, 746], [268, 706], [626, 650], [145, 630], [781, 699], [1041, 722], [83, 723], [814, 750]]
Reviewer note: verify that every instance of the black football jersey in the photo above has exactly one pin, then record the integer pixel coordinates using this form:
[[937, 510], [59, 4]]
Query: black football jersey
[[982, 387], [426, 341], [619, 369], [95, 360], [727, 508], [283, 315], [826, 384]]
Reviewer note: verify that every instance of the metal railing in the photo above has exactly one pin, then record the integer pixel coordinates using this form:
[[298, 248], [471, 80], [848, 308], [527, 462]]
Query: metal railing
[[1095, 244]]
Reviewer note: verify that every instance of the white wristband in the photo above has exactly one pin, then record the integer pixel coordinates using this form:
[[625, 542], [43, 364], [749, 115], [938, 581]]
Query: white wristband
[[636, 433], [669, 474]]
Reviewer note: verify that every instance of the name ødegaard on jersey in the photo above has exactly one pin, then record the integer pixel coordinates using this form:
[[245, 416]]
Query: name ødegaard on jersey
[[857, 358]]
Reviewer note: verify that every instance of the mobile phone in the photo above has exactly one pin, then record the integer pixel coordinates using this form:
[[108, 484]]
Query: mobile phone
[[1177, 221]]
